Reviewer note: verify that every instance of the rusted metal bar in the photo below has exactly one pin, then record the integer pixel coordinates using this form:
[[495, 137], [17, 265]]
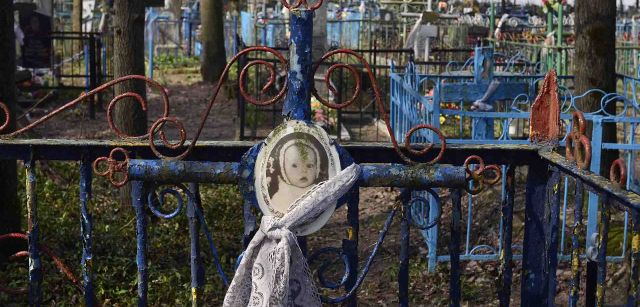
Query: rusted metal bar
[[139, 199], [197, 270], [553, 200], [86, 230], [593, 182], [632, 291], [33, 229], [229, 151], [350, 243], [578, 228], [603, 238], [372, 175], [403, 269], [454, 247], [506, 255], [534, 285], [300, 81]]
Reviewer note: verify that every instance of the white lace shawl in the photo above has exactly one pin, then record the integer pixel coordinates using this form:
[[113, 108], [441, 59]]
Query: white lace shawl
[[273, 271]]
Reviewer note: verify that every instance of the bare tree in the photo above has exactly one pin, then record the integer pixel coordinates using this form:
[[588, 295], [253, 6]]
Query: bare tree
[[212, 37], [9, 207], [128, 59], [595, 60]]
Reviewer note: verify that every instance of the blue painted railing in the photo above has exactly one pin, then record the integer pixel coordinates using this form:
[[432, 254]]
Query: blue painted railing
[[415, 99]]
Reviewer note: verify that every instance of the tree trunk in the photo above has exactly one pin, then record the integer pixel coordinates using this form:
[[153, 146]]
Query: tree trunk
[[128, 59], [76, 16], [10, 211], [595, 61], [212, 37]]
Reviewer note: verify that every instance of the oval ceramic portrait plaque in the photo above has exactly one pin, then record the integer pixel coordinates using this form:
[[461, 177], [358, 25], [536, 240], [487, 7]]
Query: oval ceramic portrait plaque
[[295, 157]]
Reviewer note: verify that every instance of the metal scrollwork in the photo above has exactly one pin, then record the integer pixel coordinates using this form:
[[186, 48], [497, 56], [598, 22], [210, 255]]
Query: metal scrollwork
[[378, 99], [418, 204], [480, 176], [138, 98], [158, 125], [113, 167], [618, 172], [363, 273], [158, 200], [578, 146]]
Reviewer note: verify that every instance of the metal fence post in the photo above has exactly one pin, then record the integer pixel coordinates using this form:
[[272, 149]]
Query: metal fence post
[[533, 283], [592, 209]]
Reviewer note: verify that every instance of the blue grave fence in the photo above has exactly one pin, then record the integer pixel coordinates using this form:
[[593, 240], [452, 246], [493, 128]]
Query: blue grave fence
[[445, 101]]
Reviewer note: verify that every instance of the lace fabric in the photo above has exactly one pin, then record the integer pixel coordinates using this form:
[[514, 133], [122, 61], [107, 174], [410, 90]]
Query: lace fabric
[[273, 271]]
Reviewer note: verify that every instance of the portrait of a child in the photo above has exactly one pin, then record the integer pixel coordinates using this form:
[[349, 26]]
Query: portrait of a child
[[296, 164]]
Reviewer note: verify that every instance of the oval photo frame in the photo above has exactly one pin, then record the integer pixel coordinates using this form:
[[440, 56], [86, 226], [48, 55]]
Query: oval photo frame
[[295, 156]]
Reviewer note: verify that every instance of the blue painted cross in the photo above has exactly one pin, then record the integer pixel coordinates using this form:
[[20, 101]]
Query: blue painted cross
[[468, 92]]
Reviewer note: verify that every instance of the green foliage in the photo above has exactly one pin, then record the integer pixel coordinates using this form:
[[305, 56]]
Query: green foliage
[[114, 243], [164, 61]]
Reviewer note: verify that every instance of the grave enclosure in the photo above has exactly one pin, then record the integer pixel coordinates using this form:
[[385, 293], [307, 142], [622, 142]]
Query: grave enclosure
[[419, 161]]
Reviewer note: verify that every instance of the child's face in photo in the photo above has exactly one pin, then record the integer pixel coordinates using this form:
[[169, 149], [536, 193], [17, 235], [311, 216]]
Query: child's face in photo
[[300, 165]]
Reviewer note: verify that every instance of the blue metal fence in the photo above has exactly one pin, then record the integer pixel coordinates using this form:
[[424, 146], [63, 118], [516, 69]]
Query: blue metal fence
[[419, 98]]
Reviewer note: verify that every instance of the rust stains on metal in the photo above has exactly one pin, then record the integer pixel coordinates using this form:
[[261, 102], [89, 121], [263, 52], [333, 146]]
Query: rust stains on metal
[[618, 172], [114, 167], [578, 147], [545, 112]]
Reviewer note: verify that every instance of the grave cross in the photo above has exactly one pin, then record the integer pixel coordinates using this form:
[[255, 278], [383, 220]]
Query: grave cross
[[481, 88]]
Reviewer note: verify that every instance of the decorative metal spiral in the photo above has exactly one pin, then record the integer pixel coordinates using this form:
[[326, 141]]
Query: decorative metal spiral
[[347, 270], [24, 254], [378, 99], [110, 107], [479, 177], [158, 125], [155, 201], [113, 167], [418, 202], [577, 142]]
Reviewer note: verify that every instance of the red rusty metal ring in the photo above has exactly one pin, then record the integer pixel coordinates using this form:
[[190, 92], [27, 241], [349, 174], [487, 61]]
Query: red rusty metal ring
[[579, 123], [327, 81], [443, 142], [7, 116], [378, 100], [497, 171], [477, 187], [212, 101], [568, 151], [583, 162], [96, 167], [112, 105], [270, 83], [118, 183], [156, 128], [114, 166], [618, 172], [467, 163]]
